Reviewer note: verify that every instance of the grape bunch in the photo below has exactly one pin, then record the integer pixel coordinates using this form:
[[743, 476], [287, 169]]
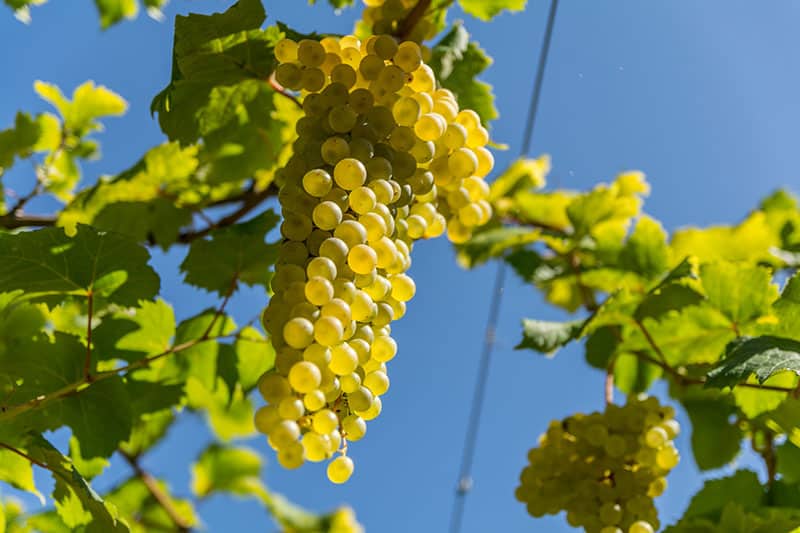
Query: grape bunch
[[603, 469], [387, 16], [383, 158]]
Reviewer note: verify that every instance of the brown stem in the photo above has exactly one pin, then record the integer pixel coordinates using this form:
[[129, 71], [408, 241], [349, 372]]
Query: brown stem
[[280, 89], [651, 341], [25, 456], [87, 364], [159, 495], [221, 308], [534, 224], [609, 383], [249, 202], [412, 19], [12, 220]]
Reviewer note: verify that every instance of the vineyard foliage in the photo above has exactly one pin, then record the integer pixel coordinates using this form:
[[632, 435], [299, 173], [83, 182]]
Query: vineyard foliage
[[87, 342]]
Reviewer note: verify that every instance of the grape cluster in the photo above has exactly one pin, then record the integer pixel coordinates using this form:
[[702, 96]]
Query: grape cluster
[[603, 469], [386, 16], [383, 158]]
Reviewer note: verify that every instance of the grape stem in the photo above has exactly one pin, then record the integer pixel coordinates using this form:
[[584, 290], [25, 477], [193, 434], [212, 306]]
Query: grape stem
[[162, 498], [609, 383], [280, 89], [412, 19]]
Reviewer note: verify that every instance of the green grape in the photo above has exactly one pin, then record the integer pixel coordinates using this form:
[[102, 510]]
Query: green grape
[[340, 469], [377, 382], [373, 411], [313, 401], [289, 75], [361, 399], [350, 382], [408, 56], [656, 437], [298, 333], [362, 259], [284, 433], [291, 457], [342, 118], [610, 514], [310, 53], [384, 349], [462, 163], [291, 408], [344, 360], [327, 215], [349, 173], [362, 200], [286, 51], [327, 331], [338, 309], [344, 74], [304, 377], [322, 267], [266, 418], [640, 527], [354, 427], [385, 46], [324, 421], [333, 150], [667, 457], [335, 250], [312, 79], [315, 446]]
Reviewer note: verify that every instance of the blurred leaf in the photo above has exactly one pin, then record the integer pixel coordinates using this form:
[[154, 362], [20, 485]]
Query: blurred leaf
[[490, 243], [18, 472], [716, 440], [134, 333], [749, 241], [742, 488], [89, 102], [741, 292], [646, 250], [632, 375], [788, 462], [523, 174], [487, 9], [113, 11], [548, 337], [227, 469]]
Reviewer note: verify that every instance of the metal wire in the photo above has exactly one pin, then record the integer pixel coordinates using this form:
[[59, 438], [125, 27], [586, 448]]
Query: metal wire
[[470, 439]]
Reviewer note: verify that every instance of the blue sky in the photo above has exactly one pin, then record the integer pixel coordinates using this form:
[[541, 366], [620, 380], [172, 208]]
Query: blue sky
[[702, 96]]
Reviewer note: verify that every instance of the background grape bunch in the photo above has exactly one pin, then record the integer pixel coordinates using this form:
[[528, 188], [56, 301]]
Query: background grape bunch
[[603, 469]]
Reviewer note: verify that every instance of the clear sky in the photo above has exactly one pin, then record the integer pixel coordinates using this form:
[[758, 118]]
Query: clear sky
[[702, 96]]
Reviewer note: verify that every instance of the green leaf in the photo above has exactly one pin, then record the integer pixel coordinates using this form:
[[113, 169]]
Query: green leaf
[[133, 334], [646, 250], [632, 375], [89, 102], [18, 472], [212, 50], [228, 411], [89, 468], [230, 255], [148, 431], [742, 488], [548, 337], [159, 220], [763, 356], [601, 345], [254, 356], [523, 174], [788, 461], [716, 441], [76, 502], [48, 261], [105, 404], [457, 61], [113, 11], [741, 292], [787, 307], [18, 141], [494, 242], [135, 502], [227, 469], [487, 9]]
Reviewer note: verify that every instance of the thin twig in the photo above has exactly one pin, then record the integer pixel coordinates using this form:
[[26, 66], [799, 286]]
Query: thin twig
[[163, 499], [609, 383], [650, 340], [283, 91], [13, 220], [25, 456], [221, 308], [249, 202]]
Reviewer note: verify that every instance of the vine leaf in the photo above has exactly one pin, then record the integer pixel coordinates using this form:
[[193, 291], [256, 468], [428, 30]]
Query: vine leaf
[[716, 441], [227, 469], [76, 502], [18, 472], [763, 356], [788, 461], [48, 261], [743, 488], [740, 292], [457, 61], [233, 254], [492, 243], [134, 333], [487, 9], [547, 337], [135, 501]]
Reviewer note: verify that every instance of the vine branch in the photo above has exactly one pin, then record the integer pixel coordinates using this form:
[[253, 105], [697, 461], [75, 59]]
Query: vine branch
[[25, 456], [412, 19], [158, 494]]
